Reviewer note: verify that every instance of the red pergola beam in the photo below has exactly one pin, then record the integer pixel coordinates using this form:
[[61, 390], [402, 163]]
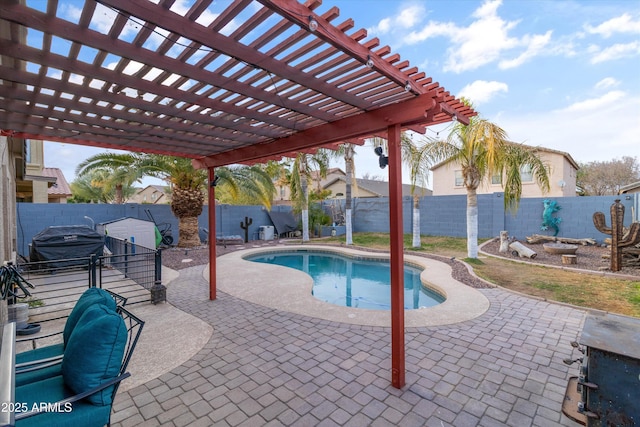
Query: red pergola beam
[[407, 113]]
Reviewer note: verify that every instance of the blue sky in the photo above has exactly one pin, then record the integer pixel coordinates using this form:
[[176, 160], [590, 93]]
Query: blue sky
[[560, 74]]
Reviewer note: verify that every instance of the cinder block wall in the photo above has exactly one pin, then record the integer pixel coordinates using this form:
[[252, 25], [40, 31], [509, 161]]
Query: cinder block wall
[[439, 216]]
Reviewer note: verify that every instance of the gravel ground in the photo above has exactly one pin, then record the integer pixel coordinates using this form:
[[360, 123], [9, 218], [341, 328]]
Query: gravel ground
[[589, 257]]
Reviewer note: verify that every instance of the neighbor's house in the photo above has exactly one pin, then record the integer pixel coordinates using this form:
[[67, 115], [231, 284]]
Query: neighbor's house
[[32, 184], [151, 194], [634, 187], [336, 182], [447, 177], [368, 188], [59, 191]]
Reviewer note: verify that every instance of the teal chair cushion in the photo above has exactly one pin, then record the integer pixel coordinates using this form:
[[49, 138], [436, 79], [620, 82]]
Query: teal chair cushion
[[40, 353], [90, 297], [42, 373], [94, 352], [51, 390]]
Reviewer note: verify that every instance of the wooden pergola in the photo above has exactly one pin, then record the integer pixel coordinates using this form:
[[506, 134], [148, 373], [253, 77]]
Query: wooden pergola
[[242, 82]]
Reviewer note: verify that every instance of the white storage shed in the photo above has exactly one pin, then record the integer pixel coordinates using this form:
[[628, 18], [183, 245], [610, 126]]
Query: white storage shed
[[138, 231]]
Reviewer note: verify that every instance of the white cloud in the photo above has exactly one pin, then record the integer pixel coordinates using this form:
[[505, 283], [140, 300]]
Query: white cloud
[[620, 24], [535, 45], [617, 51], [408, 17], [595, 129], [606, 83], [595, 104], [482, 91], [484, 41]]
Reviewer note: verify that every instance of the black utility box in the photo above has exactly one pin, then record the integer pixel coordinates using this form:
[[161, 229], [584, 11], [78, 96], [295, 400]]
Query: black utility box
[[609, 379]]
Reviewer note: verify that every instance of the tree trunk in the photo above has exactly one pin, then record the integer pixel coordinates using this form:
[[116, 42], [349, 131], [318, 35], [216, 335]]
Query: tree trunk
[[416, 222], [305, 208], [188, 230], [522, 251], [504, 242], [347, 221], [472, 223], [348, 166], [305, 225], [119, 198]]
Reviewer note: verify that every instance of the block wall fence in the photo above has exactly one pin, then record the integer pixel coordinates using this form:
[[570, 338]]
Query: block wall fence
[[439, 216]]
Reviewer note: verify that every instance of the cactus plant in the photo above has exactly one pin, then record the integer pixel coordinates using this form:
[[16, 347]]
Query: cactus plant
[[245, 226], [619, 239]]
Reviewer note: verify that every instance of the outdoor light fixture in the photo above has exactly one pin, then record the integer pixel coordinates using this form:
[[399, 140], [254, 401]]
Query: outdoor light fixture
[[407, 86], [215, 181], [383, 160], [313, 24], [369, 62]]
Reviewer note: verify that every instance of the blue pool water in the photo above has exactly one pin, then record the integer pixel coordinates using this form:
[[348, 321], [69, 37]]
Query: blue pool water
[[353, 282]]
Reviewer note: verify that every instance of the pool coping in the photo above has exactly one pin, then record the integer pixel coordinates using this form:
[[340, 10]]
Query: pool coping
[[254, 282]]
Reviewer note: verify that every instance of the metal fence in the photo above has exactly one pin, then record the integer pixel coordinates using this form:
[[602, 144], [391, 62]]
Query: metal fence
[[125, 269], [137, 263]]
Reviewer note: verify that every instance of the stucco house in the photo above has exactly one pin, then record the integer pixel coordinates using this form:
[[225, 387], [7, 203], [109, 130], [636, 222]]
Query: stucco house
[[634, 187], [152, 194], [59, 191], [32, 184], [562, 168], [368, 188]]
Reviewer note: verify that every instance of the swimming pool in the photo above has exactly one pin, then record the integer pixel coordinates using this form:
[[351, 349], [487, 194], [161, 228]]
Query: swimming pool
[[353, 282]]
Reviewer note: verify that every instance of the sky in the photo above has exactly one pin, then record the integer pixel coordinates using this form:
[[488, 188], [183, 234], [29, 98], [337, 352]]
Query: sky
[[559, 74]]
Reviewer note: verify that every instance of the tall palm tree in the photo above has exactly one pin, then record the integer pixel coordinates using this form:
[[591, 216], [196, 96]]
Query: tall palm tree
[[302, 167], [249, 184], [349, 169], [119, 169], [187, 191], [482, 150], [347, 151], [417, 159]]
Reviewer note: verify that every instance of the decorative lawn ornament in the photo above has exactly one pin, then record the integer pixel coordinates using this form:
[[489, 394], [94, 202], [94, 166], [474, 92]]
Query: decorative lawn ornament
[[548, 220]]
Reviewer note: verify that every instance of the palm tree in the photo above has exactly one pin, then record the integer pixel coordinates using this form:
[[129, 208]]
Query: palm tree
[[92, 187], [245, 185], [349, 169], [239, 184], [119, 171], [187, 191], [301, 169], [418, 161], [483, 151], [347, 151]]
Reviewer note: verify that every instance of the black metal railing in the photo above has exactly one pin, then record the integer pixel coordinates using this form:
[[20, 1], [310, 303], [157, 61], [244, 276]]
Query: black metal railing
[[126, 269], [140, 264]]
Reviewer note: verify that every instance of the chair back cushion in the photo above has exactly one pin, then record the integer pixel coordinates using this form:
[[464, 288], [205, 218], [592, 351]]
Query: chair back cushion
[[94, 352], [90, 297]]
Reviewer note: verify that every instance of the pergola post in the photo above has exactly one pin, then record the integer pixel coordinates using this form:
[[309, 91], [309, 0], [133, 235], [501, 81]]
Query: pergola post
[[397, 259], [212, 234]]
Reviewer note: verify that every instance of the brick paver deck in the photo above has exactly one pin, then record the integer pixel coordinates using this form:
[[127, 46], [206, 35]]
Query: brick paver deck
[[264, 367]]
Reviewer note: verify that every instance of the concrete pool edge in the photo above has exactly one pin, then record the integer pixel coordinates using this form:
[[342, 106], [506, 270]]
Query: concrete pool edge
[[269, 285]]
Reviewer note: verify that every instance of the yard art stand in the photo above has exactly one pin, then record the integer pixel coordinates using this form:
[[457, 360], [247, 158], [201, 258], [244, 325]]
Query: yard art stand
[[619, 240], [245, 226]]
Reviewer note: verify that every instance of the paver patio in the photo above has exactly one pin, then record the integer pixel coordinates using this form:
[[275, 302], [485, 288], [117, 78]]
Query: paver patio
[[266, 367]]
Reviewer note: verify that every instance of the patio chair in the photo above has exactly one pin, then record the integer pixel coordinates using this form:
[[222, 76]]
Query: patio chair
[[44, 362], [96, 358]]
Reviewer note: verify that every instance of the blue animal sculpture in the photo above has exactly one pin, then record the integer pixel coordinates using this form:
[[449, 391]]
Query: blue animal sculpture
[[548, 220]]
